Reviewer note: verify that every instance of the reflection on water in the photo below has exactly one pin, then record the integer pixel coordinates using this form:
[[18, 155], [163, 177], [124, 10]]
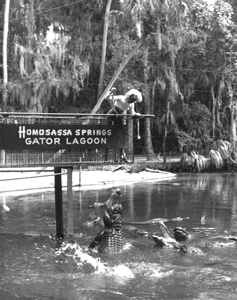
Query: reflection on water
[[37, 267]]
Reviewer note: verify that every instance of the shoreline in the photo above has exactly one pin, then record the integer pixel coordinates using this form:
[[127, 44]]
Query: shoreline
[[32, 182]]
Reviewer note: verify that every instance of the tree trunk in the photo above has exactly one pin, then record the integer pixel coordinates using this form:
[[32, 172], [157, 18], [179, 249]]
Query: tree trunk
[[150, 155], [166, 130], [130, 134], [233, 119], [117, 73], [4, 54], [233, 136], [104, 46], [30, 37], [5, 70], [219, 101], [213, 111]]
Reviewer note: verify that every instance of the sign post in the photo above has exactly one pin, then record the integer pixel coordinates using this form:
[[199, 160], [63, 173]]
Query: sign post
[[69, 202], [58, 202]]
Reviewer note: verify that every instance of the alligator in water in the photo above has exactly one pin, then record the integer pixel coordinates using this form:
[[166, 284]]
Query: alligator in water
[[169, 240], [110, 239], [181, 235]]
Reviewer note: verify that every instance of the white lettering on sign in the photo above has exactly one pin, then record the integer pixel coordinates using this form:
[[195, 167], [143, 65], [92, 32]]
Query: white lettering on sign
[[99, 132], [52, 136], [48, 132], [83, 141], [42, 141]]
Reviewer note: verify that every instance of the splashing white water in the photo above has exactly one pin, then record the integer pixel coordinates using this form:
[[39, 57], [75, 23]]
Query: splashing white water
[[122, 271], [81, 258], [4, 204], [152, 270]]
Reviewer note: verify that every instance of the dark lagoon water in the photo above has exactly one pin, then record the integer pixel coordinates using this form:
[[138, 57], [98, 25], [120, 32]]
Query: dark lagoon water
[[39, 267]]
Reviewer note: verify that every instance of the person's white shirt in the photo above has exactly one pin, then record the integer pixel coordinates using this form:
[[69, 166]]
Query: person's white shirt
[[122, 101]]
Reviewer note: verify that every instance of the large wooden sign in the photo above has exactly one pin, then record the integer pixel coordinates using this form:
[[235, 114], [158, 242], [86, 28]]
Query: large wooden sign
[[40, 137]]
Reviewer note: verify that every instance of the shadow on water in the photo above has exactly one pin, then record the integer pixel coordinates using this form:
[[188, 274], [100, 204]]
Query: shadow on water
[[36, 266]]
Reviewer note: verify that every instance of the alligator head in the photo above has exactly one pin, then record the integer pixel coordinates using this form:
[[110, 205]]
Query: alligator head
[[110, 239], [180, 234], [167, 239], [113, 214]]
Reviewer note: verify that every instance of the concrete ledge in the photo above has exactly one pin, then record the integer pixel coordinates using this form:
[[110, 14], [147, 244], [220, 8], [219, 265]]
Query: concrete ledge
[[30, 182]]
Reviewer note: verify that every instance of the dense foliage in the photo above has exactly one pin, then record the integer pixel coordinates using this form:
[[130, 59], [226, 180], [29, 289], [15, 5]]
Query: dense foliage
[[186, 64]]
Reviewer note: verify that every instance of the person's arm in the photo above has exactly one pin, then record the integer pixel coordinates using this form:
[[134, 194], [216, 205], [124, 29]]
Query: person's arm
[[132, 110], [111, 97]]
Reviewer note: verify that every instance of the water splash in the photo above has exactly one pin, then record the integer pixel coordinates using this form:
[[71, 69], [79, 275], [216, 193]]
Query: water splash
[[122, 271], [82, 258], [152, 270], [4, 204]]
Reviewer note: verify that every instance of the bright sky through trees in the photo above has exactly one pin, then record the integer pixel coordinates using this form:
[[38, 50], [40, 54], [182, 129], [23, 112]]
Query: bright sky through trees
[[211, 1]]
